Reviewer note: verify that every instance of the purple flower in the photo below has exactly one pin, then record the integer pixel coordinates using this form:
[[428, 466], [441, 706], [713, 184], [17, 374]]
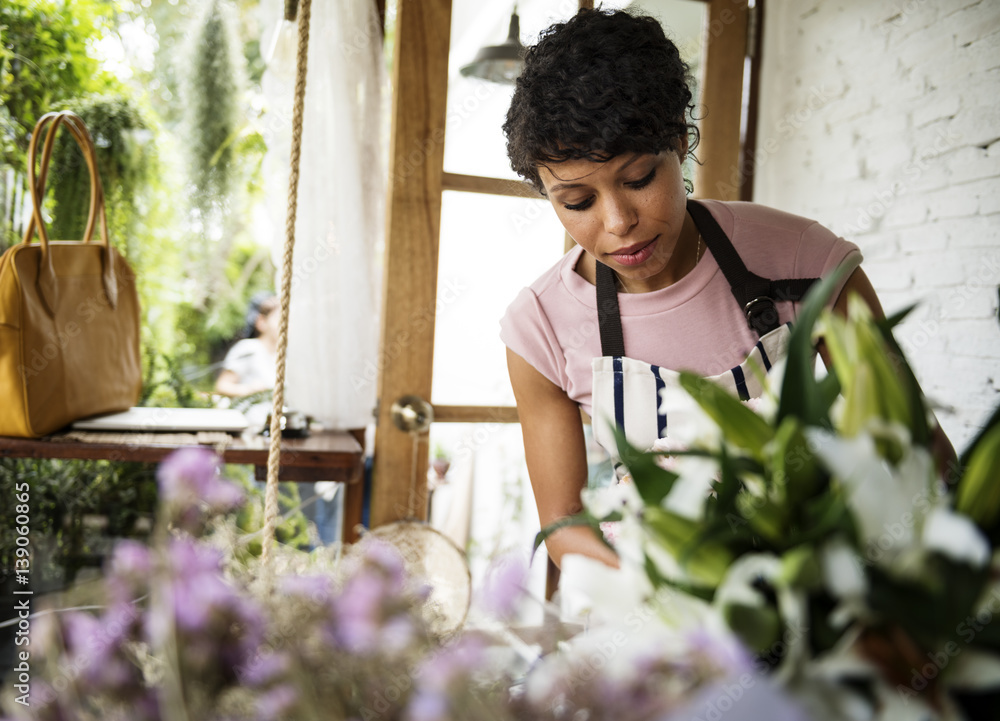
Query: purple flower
[[317, 589], [451, 663], [276, 702], [723, 652], [745, 698], [504, 586], [190, 487], [358, 609], [263, 669], [185, 471], [217, 627], [386, 557], [428, 706], [397, 634], [131, 559], [95, 646]]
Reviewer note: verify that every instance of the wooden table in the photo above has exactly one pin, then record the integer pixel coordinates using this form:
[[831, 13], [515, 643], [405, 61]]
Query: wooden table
[[323, 456]]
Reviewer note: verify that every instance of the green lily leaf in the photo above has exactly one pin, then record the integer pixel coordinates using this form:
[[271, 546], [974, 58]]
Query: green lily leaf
[[823, 516], [766, 517], [801, 396], [705, 563], [796, 475], [917, 419], [896, 318], [580, 519], [841, 347], [861, 401], [829, 391], [758, 626], [728, 487], [652, 481], [740, 425], [971, 448], [801, 569], [979, 489], [659, 581], [895, 406]]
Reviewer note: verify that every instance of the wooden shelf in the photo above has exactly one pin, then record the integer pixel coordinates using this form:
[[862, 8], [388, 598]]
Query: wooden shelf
[[324, 456]]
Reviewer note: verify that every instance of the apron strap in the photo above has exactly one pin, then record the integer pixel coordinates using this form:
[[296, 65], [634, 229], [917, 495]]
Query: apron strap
[[608, 318], [756, 295]]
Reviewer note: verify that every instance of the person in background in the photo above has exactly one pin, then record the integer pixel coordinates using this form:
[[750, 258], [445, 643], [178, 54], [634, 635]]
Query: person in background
[[249, 365]]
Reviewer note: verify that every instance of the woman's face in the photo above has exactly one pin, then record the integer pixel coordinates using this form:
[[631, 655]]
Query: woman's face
[[268, 319], [627, 213]]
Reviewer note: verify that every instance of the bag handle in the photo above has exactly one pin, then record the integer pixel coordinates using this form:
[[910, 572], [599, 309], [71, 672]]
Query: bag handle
[[82, 137], [47, 285]]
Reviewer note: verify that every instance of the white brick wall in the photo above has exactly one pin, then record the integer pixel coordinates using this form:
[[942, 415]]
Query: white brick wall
[[883, 123]]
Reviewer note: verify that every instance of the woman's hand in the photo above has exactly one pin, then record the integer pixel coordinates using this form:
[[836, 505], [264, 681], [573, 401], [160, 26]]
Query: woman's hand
[[228, 384], [556, 455]]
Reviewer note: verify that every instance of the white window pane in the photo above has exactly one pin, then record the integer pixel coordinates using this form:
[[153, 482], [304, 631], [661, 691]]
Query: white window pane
[[491, 247]]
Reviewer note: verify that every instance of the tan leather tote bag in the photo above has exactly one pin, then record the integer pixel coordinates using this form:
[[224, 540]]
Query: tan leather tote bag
[[69, 312]]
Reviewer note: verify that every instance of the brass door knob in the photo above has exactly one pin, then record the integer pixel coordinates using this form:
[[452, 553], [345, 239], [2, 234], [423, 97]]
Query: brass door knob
[[412, 414]]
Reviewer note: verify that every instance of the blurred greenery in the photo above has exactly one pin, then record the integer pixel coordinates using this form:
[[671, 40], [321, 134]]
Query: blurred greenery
[[170, 91]]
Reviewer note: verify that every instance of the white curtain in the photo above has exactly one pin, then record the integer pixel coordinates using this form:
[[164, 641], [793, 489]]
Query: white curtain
[[335, 296]]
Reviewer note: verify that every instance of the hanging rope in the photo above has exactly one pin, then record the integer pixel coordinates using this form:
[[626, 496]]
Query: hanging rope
[[274, 455]]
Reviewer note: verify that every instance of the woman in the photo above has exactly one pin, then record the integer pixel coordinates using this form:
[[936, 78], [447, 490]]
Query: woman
[[249, 365], [657, 283]]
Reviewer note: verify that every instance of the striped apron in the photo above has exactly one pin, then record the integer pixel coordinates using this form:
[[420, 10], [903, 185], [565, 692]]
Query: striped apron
[[645, 401]]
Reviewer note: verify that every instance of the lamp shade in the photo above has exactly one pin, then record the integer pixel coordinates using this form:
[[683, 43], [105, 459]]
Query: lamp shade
[[499, 63]]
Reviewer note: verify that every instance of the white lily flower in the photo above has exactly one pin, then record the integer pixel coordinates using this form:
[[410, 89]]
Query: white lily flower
[[956, 537], [688, 426], [683, 612], [601, 502], [737, 586], [665, 562], [883, 499], [842, 574], [975, 670], [590, 589], [687, 497]]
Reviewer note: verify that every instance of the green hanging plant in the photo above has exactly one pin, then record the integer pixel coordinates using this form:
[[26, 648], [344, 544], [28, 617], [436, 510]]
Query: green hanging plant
[[213, 104], [122, 160]]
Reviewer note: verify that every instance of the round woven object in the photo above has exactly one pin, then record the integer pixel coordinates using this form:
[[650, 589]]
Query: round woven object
[[433, 557]]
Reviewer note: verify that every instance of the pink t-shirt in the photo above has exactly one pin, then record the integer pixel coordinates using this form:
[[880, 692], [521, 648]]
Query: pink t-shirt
[[694, 324]]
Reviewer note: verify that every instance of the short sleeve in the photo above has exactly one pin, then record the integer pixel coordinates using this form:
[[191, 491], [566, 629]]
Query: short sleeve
[[821, 252], [236, 358], [526, 330]]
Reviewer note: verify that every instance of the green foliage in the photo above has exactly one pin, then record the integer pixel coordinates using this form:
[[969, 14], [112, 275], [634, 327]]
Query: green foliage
[[45, 61], [652, 482], [113, 122], [77, 508], [292, 528], [979, 489], [802, 396], [194, 273], [740, 425], [788, 519], [212, 101]]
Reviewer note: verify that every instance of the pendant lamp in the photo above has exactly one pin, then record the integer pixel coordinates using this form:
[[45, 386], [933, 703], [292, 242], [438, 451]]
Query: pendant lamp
[[499, 63]]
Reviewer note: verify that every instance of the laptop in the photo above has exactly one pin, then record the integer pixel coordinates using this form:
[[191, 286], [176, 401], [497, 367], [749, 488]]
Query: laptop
[[177, 420]]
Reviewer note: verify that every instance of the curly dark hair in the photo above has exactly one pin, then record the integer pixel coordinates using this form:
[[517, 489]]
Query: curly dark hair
[[601, 84]]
